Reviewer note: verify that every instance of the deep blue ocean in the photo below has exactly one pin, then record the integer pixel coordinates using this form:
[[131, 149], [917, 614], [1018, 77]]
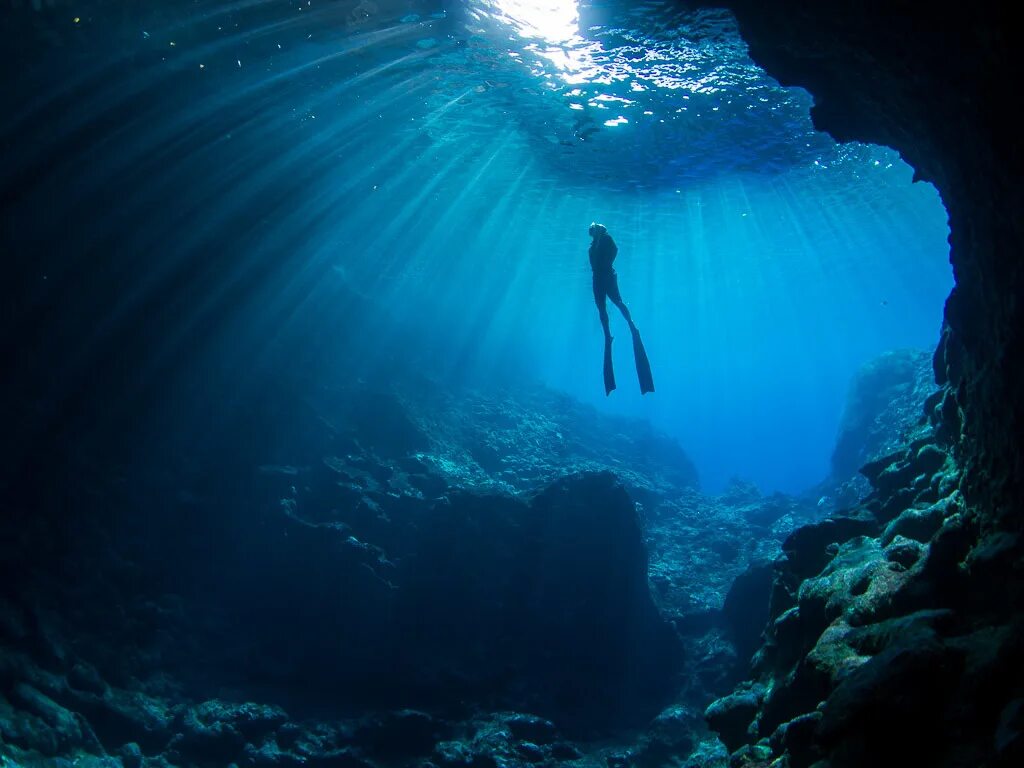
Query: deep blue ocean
[[230, 172]]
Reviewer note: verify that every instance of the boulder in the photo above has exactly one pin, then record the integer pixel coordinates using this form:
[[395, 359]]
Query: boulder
[[731, 716], [538, 605]]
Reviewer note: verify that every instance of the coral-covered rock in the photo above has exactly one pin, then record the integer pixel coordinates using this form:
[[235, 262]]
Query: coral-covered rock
[[808, 549], [869, 643], [921, 524]]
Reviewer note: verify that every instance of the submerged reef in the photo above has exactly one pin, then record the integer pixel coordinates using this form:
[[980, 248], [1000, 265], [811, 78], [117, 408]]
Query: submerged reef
[[398, 574], [394, 574]]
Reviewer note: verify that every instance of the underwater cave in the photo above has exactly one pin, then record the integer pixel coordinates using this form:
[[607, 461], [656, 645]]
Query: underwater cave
[[310, 454]]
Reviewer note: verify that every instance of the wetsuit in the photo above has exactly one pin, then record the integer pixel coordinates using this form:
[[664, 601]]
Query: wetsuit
[[606, 284]]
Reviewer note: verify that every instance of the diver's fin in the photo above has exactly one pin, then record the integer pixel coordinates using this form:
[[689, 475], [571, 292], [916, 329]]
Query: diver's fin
[[643, 365], [609, 373]]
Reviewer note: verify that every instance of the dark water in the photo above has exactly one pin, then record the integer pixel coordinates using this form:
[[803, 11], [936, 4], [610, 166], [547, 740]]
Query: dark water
[[191, 188]]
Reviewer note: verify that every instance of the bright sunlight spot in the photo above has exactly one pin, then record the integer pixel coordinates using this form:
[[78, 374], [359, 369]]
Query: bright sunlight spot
[[556, 21]]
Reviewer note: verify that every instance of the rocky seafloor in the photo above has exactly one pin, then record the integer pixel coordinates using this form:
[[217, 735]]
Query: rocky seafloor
[[404, 575]]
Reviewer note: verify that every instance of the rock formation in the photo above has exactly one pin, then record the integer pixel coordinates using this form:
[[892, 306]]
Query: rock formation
[[377, 574], [882, 407]]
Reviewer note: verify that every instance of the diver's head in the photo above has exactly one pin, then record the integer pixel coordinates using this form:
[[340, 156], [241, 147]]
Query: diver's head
[[597, 229]]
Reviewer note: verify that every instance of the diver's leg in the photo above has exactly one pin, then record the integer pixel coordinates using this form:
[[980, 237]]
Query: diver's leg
[[602, 308], [616, 297], [625, 312], [600, 298]]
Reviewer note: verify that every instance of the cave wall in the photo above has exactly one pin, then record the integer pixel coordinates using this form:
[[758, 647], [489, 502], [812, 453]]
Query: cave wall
[[936, 85]]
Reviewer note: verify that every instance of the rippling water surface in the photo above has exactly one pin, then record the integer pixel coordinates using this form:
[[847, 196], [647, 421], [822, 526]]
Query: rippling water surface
[[194, 188]]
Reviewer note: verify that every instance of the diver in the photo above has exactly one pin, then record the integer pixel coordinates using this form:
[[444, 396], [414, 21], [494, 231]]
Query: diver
[[606, 283], [606, 286]]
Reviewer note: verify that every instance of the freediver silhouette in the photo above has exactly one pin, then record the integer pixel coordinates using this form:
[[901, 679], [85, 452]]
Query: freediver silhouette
[[606, 286]]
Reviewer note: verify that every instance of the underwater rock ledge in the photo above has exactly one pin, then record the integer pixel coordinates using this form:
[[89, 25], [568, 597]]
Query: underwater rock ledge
[[879, 647]]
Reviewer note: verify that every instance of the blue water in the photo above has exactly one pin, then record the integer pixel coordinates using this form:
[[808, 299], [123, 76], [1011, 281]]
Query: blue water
[[228, 172]]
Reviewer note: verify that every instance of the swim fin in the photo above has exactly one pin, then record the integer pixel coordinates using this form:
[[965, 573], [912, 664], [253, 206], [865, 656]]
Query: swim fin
[[643, 365], [609, 374]]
